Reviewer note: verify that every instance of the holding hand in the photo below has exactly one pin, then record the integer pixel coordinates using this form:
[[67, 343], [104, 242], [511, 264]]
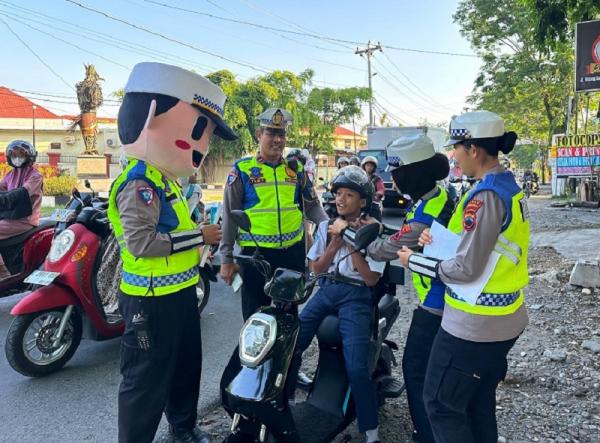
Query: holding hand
[[337, 227], [425, 238], [212, 234], [404, 254], [228, 271]]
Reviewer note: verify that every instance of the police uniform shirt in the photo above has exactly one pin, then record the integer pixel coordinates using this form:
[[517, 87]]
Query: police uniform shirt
[[233, 198], [476, 244], [346, 266]]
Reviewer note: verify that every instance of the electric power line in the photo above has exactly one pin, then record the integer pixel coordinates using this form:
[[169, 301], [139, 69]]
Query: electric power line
[[425, 51], [166, 37], [36, 55]]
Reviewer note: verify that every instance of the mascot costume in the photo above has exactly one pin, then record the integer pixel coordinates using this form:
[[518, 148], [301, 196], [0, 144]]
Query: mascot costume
[[166, 120]]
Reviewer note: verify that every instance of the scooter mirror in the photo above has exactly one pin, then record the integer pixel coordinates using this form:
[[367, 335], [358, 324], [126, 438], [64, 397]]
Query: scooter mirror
[[241, 219], [366, 235], [87, 184], [322, 179]]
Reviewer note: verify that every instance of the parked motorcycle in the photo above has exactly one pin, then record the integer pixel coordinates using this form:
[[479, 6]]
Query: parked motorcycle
[[253, 384], [328, 200]]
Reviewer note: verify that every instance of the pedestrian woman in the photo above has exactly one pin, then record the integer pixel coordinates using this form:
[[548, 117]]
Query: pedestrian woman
[[468, 357]]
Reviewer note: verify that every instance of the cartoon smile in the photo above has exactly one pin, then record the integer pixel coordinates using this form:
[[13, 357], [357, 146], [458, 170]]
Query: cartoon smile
[[197, 157]]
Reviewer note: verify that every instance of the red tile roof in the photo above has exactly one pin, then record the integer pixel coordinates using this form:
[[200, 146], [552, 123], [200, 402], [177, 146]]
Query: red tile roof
[[13, 105], [339, 130]]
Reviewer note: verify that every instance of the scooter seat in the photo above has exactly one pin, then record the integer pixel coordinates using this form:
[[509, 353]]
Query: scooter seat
[[328, 333], [20, 239]]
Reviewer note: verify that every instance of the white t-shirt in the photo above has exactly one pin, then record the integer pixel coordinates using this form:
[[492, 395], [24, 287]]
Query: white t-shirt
[[346, 266]]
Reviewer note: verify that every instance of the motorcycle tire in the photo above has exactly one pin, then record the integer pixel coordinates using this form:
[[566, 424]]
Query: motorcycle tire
[[204, 286], [48, 322]]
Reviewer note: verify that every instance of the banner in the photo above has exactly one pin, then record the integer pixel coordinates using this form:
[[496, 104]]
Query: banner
[[587, 56], [576, 155]]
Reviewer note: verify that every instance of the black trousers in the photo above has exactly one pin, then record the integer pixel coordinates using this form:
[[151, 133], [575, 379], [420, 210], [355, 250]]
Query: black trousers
[[253, 294], [423, 329], [165, 377], [460, 388]]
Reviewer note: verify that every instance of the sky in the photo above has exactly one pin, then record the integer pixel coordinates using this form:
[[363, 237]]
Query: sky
[[49, 41]]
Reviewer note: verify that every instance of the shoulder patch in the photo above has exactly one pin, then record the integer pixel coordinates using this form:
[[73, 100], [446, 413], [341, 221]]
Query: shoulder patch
[[145, 194], [470, 214], [405, 230], [231, 178]]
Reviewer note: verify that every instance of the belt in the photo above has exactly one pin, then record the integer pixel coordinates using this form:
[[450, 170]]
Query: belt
[[156, 282], [487, 299]]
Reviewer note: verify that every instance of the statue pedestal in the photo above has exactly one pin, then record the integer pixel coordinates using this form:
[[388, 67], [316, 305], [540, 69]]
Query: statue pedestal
[[91, 166]]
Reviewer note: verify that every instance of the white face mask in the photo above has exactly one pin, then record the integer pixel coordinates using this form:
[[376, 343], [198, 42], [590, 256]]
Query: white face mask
[[18, 161]]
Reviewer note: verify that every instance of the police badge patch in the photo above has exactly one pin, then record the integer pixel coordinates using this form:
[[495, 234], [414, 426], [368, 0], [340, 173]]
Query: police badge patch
[[145, 194], [233, 175], [470, 215]]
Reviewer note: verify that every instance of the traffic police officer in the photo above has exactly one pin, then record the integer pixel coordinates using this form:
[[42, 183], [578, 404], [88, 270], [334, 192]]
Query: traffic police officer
[[166, 120], [415, 169], [274, 192], [468, 357]]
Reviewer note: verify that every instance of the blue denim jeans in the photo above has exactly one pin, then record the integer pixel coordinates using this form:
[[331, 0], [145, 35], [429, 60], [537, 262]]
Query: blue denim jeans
[[352, 305]]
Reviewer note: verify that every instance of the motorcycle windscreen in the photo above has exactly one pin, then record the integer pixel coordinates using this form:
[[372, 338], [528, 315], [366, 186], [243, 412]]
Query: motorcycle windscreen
[[286, 286]]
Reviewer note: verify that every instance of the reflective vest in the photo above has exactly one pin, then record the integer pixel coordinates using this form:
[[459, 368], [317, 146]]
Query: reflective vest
[[503, 293], [272, 197], [437, 208], [155, 275]]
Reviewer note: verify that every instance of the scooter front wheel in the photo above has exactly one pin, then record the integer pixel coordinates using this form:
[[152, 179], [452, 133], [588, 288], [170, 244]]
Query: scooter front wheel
[[30, 347], [203, 290]]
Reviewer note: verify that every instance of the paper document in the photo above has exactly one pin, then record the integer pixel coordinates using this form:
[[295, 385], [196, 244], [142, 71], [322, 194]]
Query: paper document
[[469, 292], [444, 243], [443, 246]]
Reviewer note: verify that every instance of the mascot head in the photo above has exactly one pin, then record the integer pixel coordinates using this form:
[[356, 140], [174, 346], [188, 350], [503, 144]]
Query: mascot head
[[168, 116]]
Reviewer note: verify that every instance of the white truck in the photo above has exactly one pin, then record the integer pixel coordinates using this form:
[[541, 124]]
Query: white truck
[[379, 138]]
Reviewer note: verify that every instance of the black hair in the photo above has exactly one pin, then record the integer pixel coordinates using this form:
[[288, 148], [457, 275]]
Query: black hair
[[493, 145], [416, 179], [133, 113]]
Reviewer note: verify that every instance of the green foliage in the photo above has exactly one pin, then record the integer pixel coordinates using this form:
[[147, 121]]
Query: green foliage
[[524, 155], [59, 185]]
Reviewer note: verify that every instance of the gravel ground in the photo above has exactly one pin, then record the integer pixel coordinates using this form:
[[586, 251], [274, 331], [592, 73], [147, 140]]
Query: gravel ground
[[552, 390]]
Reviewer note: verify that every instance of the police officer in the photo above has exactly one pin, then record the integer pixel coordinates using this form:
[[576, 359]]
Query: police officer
[[468, 357], [274, 192], [416, 168], [165, 123]]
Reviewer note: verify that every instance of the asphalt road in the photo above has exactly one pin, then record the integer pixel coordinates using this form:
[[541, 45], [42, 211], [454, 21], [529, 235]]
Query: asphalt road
[[79, 403]]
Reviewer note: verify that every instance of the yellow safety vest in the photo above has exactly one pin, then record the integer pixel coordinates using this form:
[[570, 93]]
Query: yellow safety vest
[[150, 276], [503, 293], [272, 197], [430, 292]]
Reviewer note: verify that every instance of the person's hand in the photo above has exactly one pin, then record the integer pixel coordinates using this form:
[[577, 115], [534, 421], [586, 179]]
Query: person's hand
[[211, 234], [228, 271], [404, 254], [336, 242], [425, 238], [337, 227]]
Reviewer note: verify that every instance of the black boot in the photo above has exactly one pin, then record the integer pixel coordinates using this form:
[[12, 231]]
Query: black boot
[[195, 435]]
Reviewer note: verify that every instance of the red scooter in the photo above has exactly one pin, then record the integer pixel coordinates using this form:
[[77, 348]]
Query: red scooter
[[23, 254], [65, 304]]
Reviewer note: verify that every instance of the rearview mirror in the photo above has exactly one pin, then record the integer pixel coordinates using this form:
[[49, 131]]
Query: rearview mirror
[[87, 184], [365, 236], [241, 219], [322, 179]]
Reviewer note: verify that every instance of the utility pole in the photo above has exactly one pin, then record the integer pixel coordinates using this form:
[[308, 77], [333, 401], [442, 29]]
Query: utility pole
[[368, 52]]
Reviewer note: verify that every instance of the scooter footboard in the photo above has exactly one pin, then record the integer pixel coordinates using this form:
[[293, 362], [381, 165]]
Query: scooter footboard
[[43, 298]]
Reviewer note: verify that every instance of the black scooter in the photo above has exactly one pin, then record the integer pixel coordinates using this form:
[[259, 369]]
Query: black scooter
[[253, 385]]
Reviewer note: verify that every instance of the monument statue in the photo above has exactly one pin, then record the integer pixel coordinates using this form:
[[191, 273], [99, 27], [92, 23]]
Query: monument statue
[[89, 96]]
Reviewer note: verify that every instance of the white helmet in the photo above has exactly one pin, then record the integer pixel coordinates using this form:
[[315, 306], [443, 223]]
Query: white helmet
[[369, 159], [343, 160]]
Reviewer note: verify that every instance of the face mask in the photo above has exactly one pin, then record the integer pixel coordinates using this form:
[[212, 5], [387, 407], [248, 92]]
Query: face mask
[[18, 161]]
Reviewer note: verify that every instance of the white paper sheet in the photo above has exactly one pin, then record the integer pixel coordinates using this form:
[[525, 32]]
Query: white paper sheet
[[443, 246], [444, 243], [469, 292]]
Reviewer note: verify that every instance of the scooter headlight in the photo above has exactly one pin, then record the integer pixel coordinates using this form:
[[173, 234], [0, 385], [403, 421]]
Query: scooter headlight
[[257, 338], [61, 245]]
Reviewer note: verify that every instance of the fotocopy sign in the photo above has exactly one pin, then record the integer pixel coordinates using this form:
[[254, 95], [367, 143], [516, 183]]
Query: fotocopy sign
[[587, 56], [576, 154]]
